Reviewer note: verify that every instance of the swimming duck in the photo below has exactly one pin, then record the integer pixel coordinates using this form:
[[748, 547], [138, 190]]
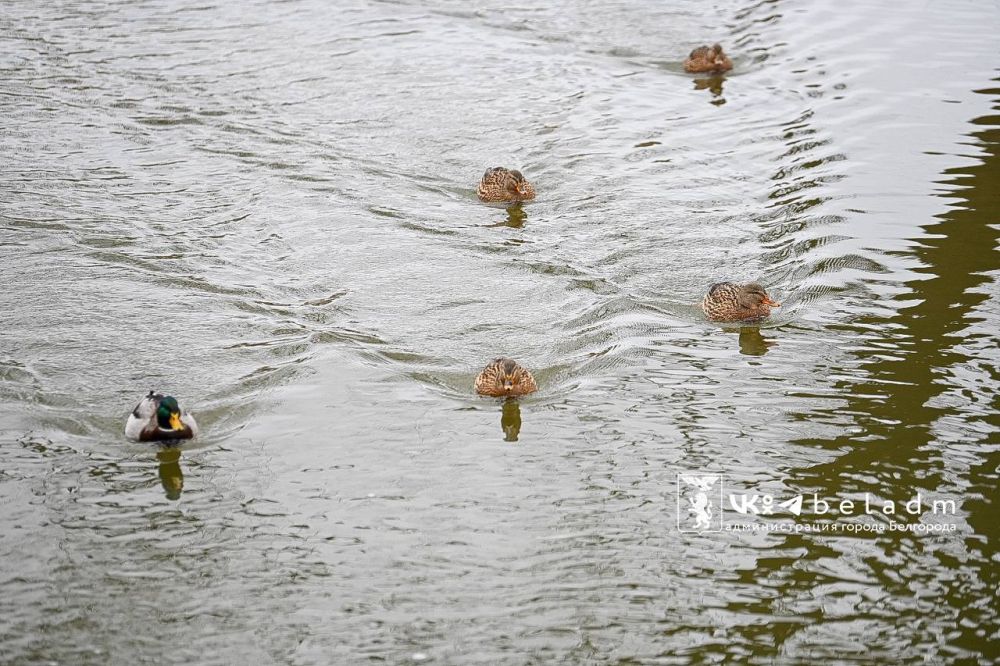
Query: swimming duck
[[159, 417], [708, 59], [727, 301], [500, 185], [504, 377]]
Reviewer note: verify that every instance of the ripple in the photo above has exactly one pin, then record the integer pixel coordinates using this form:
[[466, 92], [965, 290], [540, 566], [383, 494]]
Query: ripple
[[270, 210]]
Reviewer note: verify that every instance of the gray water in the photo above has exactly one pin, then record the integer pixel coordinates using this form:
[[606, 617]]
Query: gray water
[[268, 210]]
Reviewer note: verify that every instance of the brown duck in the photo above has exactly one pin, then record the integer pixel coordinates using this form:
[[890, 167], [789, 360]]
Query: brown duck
[[727, 301], [504, 377], [500, 185], [708, 59]]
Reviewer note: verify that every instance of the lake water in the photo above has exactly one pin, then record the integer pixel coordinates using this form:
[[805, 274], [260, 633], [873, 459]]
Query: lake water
[[268, 210]]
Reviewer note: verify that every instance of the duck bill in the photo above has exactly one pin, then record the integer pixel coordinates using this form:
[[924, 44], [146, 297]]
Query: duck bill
[[175, 421], [771, 303], [508, 386]]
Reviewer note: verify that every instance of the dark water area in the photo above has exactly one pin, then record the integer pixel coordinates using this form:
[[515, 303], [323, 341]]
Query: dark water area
[[268, 210]]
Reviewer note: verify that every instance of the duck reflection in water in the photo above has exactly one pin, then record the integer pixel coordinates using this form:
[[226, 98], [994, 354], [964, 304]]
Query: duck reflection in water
[[515, 217], [171, 476], [510, 420], [712, 84], [752, 343]]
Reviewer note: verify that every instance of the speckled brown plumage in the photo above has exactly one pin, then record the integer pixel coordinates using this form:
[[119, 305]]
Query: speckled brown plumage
[[708, 59], [500, 185], [504, 377], [727, 301]]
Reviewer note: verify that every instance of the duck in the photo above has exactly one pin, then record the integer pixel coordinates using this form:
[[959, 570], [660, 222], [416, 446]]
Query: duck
[[708, 59], [158, 417], [728, 301], [504, 378], [501, 185]]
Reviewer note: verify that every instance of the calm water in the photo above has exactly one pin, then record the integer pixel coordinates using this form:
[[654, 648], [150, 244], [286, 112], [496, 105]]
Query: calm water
[[268, 210]]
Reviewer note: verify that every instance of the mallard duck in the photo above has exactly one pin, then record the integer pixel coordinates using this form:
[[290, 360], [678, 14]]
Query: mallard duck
[[727, 301], [708, 59], [159, 417], [503, 377], [500, 185]]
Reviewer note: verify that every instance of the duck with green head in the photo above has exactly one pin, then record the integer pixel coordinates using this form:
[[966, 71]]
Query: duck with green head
[[158, 417]]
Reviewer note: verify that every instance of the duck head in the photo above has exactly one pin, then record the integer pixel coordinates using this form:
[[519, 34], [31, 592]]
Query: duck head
[[168, 414], [753, 297]]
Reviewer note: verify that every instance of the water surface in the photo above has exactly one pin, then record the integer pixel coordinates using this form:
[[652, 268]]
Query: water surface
[[269, 211]]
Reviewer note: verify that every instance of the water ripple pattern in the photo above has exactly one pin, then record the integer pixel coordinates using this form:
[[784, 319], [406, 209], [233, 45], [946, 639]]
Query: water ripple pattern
[[268, 209]]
